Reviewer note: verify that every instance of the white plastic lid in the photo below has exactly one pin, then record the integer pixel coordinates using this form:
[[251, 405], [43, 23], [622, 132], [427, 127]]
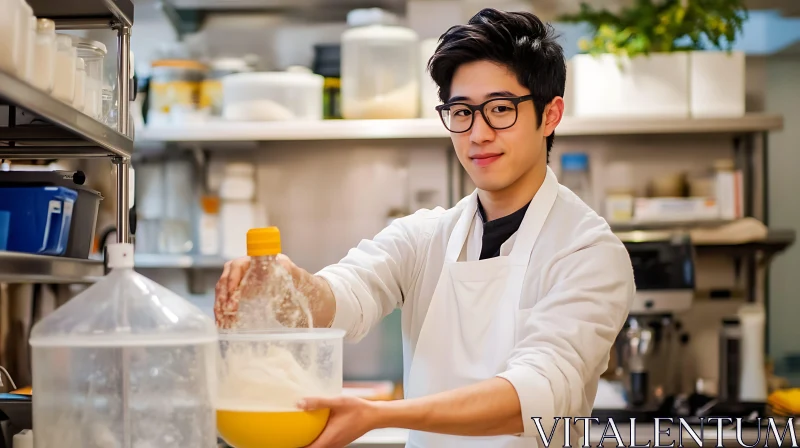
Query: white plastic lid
[[370, 16], [125, 309]]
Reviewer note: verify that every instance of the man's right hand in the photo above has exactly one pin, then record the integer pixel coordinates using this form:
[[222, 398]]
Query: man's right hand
[[316, 290]]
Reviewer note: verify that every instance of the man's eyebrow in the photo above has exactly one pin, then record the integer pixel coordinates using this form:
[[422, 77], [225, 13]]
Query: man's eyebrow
[[500, 94]]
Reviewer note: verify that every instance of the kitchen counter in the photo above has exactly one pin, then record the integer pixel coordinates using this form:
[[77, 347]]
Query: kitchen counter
[[395, 438]]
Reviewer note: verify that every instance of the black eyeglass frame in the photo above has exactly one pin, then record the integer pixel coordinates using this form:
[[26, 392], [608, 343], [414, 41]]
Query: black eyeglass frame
[[479, 107]]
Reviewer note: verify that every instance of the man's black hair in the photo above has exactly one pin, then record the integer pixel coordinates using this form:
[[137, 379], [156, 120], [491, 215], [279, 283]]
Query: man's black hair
[[518, 40]]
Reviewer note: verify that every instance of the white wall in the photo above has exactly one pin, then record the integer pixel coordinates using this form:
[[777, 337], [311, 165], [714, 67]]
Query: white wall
[[783, 96]]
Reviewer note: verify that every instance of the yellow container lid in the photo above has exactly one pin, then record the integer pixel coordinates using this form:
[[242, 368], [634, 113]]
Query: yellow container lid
[[263, 242]]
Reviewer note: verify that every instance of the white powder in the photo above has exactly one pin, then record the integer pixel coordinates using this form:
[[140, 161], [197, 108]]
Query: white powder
[[271, 381]]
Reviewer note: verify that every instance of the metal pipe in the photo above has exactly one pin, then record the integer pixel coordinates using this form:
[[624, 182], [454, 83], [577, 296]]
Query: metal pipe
[[123, 78], [123, 194], [85, 24]]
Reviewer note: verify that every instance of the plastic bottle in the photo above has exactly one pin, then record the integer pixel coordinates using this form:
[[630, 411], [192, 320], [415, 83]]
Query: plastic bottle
[[44, 55], [753, 379], [575, 175], [267, 297], [125, 363]]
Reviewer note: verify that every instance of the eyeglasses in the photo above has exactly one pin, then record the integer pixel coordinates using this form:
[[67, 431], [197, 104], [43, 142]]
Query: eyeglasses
[[499, 113]]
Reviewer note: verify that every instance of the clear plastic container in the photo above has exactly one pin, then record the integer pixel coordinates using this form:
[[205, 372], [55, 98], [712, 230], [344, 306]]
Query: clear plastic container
[[267, 297], [93, 54], [273, 96], [575, 175], [126, 363], [263, 374], [380, 68], [65, 68], [44, 55]]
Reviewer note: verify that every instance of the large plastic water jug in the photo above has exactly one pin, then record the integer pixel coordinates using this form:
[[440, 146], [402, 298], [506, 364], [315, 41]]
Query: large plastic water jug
[[126, 363]]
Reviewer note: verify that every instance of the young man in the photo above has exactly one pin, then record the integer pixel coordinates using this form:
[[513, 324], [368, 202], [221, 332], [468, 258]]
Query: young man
[[511, 299]]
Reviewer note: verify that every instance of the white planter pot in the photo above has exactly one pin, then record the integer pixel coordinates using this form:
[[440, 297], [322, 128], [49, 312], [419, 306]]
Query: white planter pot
[[717, 83], [655, 85]]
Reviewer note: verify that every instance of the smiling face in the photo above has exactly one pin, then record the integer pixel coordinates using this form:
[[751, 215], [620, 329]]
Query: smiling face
[[498, 159]]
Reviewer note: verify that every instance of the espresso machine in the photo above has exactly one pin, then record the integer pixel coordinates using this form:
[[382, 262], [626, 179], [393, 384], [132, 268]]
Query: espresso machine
[[648, 352]]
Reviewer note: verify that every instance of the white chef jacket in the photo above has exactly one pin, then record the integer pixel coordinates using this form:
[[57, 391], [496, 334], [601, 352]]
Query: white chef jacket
[[578, 289]]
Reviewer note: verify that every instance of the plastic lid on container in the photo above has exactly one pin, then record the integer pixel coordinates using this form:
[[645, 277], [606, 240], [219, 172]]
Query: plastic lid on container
[[45, 25], [263, 242], [125, 309], [370, 16], [231, 65], [328, 60], [88, 44], [577, 161]]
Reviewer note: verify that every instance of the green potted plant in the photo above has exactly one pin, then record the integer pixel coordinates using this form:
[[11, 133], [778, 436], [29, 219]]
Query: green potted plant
[[667, 58]]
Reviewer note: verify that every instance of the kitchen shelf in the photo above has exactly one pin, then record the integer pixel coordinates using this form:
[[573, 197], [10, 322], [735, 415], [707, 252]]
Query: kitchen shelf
[[60, 10], [16, 267], [150, 261], [777, 240], [69, 132], [428, 128]]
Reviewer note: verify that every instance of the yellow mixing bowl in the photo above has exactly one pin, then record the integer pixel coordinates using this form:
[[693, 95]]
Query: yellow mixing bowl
[[258, 429]]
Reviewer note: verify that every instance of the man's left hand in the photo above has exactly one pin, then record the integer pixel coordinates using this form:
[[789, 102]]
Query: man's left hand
[[350, 418]]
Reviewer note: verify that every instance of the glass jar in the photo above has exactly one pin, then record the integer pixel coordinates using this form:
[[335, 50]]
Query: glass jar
[[44, 55], [93, 54], [175, 91], [380, 76], [65, 68]]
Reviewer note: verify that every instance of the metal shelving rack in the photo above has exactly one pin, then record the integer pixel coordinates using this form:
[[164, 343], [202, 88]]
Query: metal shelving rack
[[69, 133]]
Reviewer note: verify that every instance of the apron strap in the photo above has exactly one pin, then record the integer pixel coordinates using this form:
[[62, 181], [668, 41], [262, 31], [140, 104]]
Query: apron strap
[[534, 220], [461, 231]]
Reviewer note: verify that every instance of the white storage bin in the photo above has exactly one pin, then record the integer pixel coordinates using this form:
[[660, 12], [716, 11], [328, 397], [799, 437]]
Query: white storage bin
[[654, 85], [380, 68], [717, 83], [272, 96]]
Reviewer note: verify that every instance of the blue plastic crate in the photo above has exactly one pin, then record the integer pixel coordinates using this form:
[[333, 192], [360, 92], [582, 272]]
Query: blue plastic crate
[[40, 218]]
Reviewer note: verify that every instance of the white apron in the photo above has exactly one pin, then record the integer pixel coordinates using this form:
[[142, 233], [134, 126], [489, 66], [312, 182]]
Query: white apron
[[469, 329]]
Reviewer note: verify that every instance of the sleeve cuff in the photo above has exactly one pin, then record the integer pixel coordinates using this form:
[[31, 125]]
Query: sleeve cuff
[[535, 398], [348, 309]]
